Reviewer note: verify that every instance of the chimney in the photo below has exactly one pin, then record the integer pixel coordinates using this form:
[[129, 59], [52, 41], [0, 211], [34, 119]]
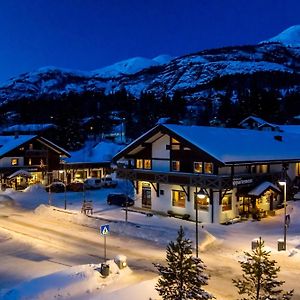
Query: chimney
[[278, 138]]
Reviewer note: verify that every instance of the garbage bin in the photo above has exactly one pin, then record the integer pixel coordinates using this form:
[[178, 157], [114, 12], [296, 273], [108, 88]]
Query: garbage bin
[[254, 244], [104, 270], [281, 246], [121, 261]]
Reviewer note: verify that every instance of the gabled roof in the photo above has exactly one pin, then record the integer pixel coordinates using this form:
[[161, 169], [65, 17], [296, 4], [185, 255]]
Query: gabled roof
[[229, 145], [102, 152], [10, 142]]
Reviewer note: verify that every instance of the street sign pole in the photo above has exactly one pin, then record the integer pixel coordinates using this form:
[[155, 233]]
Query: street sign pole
[[104, 247], [104, 230]]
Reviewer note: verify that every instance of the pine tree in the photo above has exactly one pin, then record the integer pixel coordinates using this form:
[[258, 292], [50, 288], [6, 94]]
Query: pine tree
[[260, 277], [184, 276]]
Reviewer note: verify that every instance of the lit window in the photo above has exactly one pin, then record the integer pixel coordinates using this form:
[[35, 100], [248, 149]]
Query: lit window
[[198, 168], [227, 202], [178, 198], [29, 162], [14, 161], [139, 164], [21, 149], [203, 203], [263, 168], [30, 146], [175, 165], [208, 168], [175, 144], [147, 164]]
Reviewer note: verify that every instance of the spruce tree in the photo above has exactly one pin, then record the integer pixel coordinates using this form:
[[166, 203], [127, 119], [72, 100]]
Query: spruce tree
[[184, 276], [260, 277]]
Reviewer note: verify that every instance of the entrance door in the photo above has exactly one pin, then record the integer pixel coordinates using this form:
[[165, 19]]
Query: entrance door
[[146, 197], [245, 206]]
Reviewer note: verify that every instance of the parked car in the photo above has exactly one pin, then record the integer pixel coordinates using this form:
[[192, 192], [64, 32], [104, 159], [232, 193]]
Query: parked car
[[76, 187], [107, 181], [56, 187], [93, 183], [119, 199]]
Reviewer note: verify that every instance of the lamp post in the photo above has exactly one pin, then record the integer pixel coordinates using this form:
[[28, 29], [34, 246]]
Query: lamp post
[[198, 195], [283, 183]]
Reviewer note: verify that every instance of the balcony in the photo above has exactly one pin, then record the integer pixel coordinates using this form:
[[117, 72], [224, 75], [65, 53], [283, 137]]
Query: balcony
[[200, 180], [36, 153]]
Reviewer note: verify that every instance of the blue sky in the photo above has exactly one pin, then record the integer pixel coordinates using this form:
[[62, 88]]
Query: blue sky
[[89, 34]]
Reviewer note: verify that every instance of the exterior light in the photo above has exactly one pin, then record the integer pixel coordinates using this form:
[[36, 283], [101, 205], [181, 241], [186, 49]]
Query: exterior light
[[199, 195], [283, 183]]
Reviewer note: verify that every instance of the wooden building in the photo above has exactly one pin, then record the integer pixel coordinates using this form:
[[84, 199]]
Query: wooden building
[[236, 169], [26, 159]]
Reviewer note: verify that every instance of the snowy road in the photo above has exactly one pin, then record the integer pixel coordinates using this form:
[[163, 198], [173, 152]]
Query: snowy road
[[64, 244], [37, 242]]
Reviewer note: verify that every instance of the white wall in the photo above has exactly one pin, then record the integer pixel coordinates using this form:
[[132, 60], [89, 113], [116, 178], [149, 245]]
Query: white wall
[[6, 161], [159, 147], [161, 165]]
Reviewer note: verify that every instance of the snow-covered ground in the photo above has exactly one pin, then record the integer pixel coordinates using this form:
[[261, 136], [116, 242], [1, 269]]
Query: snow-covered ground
[[221, 247]]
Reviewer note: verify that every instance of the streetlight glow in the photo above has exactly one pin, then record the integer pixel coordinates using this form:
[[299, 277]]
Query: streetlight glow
[[283, 183], [199, 195]]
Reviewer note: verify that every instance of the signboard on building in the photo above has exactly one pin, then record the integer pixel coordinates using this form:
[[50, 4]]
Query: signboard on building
[[242, 181]]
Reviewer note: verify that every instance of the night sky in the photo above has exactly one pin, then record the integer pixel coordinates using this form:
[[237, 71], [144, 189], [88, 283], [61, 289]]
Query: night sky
[[90, 34]]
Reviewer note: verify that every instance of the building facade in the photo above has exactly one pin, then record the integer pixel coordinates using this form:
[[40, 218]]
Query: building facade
[[28, 159], [224, 173]]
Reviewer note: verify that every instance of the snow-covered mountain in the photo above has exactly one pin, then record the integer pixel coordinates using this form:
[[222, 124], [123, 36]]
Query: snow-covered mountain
[[289, 37], [272, 65]]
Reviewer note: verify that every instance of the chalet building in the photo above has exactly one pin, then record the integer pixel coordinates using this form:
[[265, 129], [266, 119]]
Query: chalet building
[[93, 160], [26, 159], [224, 172]]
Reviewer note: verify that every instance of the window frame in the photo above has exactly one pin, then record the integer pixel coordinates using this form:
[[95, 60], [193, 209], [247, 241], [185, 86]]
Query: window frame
[[177, 162], [180, 194]]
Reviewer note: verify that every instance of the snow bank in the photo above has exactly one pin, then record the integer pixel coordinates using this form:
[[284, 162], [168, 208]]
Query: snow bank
[[35, 188], [81, 282]]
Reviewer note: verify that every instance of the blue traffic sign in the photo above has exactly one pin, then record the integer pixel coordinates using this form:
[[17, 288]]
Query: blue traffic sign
[[104, 229]]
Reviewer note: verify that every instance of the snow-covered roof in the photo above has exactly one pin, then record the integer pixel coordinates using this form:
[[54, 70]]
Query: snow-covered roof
[[240, 145], [29, 127], [230, 145], [101, 152], [8, 143], [258, 190]]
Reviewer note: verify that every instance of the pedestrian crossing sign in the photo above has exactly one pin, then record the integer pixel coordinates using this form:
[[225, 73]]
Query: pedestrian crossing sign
[[104, 229]]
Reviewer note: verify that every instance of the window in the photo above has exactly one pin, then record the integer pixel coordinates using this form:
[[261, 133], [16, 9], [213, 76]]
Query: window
[[208, 168], [227, 202], [143, 164], [176, 165], [30, 146], [14, 161], [203, 203], [178, 198], [29, 162], [139, 164], [198, 167], [175, 144], [263, 168], [147, 164]]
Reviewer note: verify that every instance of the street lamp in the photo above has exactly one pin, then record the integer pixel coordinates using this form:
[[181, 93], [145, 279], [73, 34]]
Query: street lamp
[[198, 195], [283, 183]]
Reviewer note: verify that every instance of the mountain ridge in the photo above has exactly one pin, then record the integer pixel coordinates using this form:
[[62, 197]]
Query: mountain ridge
[[203, 74]]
